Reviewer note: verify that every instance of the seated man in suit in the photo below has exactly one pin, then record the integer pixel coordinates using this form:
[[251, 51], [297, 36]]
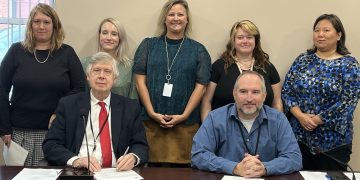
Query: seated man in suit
[[109, 135], [246, 138]]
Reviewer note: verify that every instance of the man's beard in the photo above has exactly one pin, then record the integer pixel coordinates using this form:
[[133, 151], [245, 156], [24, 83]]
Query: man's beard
[[251, 111]]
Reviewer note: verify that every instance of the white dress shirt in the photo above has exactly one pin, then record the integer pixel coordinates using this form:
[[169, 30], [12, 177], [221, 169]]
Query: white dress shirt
[[93, 119]]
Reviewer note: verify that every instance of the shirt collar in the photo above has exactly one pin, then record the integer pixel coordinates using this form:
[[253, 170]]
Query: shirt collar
[[94, 101]]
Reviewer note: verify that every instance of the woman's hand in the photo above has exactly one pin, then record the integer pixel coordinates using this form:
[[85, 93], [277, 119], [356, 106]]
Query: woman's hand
[[174, 120], [6, 139], [317, 120], [307, 122], [159, 118], [52, 117]]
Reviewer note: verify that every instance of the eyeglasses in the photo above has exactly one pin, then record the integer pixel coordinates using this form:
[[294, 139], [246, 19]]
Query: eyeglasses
[[97, 71]]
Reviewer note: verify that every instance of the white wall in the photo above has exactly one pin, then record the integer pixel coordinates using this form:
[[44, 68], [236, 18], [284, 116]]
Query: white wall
[[285, 26]]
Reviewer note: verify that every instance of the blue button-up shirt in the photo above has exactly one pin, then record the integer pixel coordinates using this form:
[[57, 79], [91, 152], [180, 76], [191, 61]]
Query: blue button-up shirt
[[218, 145]]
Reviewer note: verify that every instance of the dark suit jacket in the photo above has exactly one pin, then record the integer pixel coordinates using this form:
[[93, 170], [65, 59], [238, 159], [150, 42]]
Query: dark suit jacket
[[66, 134]]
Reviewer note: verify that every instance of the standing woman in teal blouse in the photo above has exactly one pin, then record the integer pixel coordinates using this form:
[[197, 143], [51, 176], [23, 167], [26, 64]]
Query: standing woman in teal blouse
[[320, 94], [112, 39], [172, 72]]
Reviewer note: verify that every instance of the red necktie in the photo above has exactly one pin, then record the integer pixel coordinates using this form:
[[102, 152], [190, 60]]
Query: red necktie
[[105, 140]]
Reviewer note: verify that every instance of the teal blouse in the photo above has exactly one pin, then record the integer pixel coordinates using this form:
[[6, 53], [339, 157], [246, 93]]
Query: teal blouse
[[192, 65]]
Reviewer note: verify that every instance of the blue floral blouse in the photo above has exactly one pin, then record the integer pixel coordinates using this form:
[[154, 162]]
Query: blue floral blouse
[[329, 88]]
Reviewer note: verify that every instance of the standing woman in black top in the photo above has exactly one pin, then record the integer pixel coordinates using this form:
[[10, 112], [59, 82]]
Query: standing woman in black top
[[40, 70], [243, 53]]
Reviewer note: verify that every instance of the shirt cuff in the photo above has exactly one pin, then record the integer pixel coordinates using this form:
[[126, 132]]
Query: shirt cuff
[[137, 159], [269, 170], [71, 160], [229, 166]]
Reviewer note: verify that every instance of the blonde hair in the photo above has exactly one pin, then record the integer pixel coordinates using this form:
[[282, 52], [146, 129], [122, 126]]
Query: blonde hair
[[58, 34], [261, 58], [162, 29], [122, 50]]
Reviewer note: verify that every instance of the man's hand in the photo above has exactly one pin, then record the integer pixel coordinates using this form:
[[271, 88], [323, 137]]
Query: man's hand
[[250, 166], [83, 163], [126, 162]]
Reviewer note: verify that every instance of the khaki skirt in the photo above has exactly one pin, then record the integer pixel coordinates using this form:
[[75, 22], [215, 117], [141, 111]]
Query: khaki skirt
[[170, 145]]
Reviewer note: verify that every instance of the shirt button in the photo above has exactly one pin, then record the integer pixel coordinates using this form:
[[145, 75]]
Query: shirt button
[[247, 140]]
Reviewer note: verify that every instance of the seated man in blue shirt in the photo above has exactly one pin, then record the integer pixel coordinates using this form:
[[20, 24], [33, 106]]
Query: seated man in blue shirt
[[246, 138]]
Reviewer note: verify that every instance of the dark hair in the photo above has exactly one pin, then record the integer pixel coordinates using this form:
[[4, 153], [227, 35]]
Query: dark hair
[[229, 55], [335, 21]]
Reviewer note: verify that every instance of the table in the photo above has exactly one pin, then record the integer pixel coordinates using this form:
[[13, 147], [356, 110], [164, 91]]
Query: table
[[155, 173]]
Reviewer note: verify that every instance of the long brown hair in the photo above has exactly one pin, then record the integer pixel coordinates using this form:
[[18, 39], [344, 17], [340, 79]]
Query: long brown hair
[[261, 58], [57, 36]]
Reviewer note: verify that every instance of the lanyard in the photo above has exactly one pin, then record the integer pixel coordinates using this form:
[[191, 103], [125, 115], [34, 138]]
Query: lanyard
[[101, 129], [243, 137], [168, 76]]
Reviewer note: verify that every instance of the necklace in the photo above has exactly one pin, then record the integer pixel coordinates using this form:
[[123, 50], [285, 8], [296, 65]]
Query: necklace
[[41, 62], [245, 67], [168, 76]]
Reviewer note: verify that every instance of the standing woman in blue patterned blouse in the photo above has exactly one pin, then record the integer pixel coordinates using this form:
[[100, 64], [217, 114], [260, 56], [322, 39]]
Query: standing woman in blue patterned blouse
[[320, 94], [171, 73]]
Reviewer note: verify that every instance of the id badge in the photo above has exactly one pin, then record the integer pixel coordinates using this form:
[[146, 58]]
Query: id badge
[[167, 89]]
